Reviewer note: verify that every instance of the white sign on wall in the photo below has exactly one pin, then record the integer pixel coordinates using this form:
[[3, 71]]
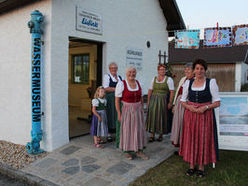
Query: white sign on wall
[[134, 57], [233, 121], [88, 22]]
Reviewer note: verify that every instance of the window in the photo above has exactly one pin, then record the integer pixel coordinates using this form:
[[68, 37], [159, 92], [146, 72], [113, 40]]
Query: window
[[80, 68]]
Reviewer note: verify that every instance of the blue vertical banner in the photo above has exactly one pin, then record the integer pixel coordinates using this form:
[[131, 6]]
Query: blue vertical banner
[[34, 24], [187, 39], [36, 82], [217, 37], [240, 35]]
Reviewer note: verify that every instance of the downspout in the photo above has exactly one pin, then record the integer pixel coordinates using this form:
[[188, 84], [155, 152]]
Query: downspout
[[33, 147]]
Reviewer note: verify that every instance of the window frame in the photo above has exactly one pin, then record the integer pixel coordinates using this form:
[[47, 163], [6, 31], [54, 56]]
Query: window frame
[[73, 66]]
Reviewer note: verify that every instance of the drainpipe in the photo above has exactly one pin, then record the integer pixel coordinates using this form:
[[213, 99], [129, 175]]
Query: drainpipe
[[34, 24]]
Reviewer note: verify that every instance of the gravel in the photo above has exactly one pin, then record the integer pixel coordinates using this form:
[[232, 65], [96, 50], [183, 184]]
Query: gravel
[[16, 155]]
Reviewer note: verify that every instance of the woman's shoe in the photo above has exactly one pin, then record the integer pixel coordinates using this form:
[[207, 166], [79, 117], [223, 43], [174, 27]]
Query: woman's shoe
[[151, 139], [97, 145], [190, 172], [129, 156], [109, 139], [200, 173], [142, 156], [160, 138]]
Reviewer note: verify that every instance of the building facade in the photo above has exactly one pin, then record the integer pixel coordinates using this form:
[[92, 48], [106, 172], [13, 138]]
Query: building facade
[[80, 38]]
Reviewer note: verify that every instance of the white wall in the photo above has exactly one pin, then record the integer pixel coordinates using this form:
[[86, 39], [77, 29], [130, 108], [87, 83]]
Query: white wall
[[15, 74], [238, 72]]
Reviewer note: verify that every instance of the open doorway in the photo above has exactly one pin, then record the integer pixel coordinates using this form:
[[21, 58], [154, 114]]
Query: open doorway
[[85, 74]]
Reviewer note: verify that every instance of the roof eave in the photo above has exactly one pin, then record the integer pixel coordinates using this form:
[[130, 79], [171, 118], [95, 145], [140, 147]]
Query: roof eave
[[172, 15]]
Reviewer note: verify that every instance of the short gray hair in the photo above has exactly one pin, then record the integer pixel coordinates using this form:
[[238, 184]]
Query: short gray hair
[[129, 68], [188, 65], [112, 63]]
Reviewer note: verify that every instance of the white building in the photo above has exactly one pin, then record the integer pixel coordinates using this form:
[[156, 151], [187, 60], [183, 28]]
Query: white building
[[74, 58]]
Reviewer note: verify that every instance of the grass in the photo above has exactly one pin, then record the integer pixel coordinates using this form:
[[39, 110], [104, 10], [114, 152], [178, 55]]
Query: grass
[[232, 169]]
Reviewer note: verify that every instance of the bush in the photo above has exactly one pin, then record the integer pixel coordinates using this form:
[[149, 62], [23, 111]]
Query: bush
[[244, 87]]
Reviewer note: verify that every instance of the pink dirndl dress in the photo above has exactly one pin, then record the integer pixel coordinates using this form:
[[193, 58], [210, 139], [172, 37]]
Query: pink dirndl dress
[[197, 144], [132, 132]]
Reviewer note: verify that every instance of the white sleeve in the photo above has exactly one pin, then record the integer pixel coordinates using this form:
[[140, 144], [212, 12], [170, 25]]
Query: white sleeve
[[214, 90], [95, 103], [151, 84], [185, 91], [119, 89], [105, 102], [170, 83], [106, 81], [141, 86]]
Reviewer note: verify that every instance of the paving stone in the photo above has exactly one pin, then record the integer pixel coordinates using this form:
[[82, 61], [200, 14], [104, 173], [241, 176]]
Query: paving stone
[[90, 168], [88, 160], [71, 170], [71, 162], [120, 168], [46, 163], [69, 150], [97, 182]]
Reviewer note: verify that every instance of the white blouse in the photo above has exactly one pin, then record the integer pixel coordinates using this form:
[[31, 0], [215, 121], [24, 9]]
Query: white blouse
[[120, 88], [170, 83], [95, 102], [214, 90], [106, 80]]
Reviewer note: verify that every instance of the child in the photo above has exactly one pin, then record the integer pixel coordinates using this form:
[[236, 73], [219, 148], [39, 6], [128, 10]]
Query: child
[[99, 127]]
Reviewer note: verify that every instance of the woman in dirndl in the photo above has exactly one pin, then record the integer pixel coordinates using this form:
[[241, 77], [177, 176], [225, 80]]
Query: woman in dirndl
[[178, 110], [198, 144], [109, 83], [156, 121], [132, 132]]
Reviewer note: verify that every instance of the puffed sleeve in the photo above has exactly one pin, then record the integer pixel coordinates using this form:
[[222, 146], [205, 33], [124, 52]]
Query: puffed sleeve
[[185, 91], [170, 83], [151, 84], [119, 89], [106, 81], [214, 90], [95, 103]]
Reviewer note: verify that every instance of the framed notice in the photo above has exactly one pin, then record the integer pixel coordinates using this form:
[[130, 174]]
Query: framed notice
[[134, 57], [233, 121], [88, 22]]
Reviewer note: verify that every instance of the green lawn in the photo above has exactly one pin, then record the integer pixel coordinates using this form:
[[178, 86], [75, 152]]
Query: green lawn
[[232, 169]]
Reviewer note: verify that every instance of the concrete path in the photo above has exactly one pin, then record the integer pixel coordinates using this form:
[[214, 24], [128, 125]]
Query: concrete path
[[80, 163]]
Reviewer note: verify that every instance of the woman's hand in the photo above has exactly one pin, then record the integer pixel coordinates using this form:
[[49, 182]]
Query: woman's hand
[[119, 117], [99, 118], [192, 108], [169, 105], [201, 109], [173, 109]]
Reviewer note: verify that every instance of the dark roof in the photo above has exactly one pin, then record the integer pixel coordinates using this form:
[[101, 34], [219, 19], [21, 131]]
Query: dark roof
[[169, 7], [211, 55], [6, 5], [172, 15]]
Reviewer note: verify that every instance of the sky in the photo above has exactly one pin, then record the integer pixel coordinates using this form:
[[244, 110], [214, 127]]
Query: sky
[[200, 14]]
